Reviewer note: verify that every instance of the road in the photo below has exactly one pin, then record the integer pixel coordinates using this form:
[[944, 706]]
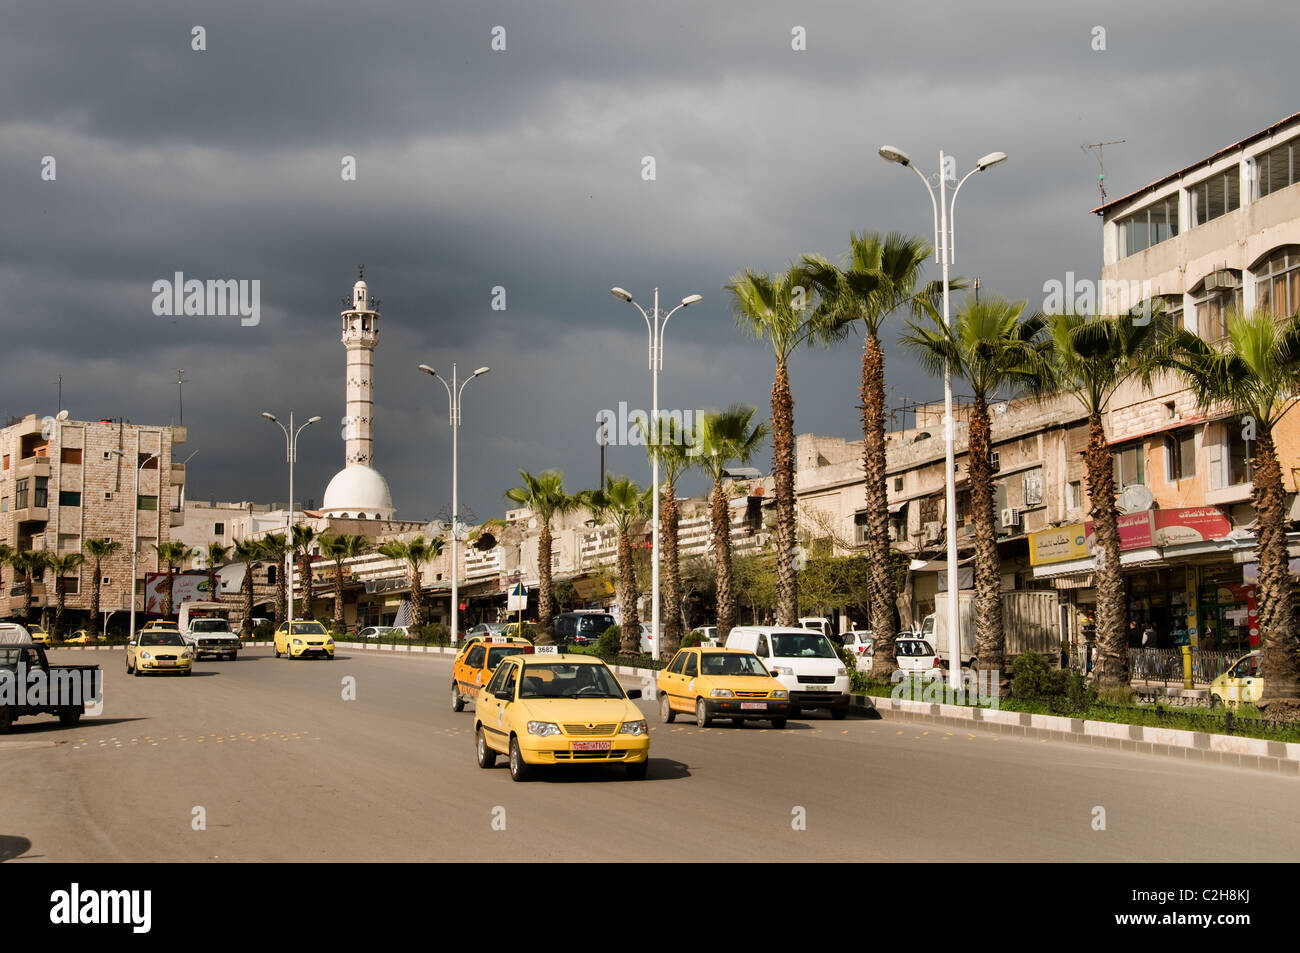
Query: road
[[278, 767]]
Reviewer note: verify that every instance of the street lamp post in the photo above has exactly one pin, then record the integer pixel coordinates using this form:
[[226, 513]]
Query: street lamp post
[[135, 533], [454, 391], [656, 329], [943, 242], [291, 457]]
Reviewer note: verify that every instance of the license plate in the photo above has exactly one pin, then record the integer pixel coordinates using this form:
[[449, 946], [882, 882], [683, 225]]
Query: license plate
[[754, 706], [814, 688], [166, 663], [592, 745]]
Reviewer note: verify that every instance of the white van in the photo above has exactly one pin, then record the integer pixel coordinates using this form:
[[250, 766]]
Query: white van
[[803, 660]]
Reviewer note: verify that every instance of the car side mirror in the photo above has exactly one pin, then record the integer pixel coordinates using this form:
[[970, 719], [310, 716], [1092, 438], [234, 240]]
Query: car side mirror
[[504, 695], [634, 693]]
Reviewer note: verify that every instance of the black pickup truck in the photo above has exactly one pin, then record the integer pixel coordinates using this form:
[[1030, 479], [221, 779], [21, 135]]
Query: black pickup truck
[[30, 685]]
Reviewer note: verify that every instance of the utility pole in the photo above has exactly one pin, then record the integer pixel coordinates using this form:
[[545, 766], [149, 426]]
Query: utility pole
[[180, 391]]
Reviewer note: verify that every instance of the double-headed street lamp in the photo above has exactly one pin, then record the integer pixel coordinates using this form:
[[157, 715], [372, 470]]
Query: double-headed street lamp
[[943, 247], [291, 456], [454, 390], [135, 532], [655, 328]]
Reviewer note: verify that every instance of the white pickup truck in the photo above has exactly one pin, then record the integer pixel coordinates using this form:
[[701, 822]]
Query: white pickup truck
[[205, 626]]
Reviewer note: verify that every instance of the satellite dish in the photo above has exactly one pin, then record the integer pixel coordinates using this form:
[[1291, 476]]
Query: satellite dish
[[1135, 499]]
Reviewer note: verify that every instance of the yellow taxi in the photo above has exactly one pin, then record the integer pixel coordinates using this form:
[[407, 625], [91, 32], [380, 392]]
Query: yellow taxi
[[474, 666], [1240, 683], [38, 634], [307, 638], [80, 637], [721, 683], [159, 650], [552, 708]]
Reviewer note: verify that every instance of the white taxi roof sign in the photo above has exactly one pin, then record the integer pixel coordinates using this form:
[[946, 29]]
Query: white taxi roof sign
[[546, 650]]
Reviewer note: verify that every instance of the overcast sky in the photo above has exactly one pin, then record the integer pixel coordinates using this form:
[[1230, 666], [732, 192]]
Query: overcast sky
[[523, 169]]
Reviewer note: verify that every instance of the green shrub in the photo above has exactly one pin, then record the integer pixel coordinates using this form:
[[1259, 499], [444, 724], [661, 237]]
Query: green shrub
[[1063, 689], [263, 631], [610, 641], [1119, 695], [690, 639], [1030, 676], [435, 634]]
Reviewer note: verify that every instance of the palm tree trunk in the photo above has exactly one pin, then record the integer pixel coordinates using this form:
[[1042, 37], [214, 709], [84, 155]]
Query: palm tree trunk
[[214, 593], [27, 597], [417, 600], [246, 626], [720, 517], [873, 464], [989, 638], [668, 519], [338, 595], [545, 598], [627, 597], [60, 598], [787, 581], [94, 600], [1279, 662], [281, 595], [171, 579], [1112, 611]]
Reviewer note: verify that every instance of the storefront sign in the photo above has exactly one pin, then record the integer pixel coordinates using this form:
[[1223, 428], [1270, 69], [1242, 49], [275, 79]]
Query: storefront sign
[[1194, 524], [1136, 531], [1058, 545]]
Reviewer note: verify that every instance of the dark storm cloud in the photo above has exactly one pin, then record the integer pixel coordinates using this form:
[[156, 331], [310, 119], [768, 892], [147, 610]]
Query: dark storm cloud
[[522, 170]]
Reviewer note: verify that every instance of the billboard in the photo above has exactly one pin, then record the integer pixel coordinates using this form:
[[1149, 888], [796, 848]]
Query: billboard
[[186, 587]]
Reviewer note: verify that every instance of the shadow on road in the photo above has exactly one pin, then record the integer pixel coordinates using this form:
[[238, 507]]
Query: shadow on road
[[47, 724], [12, 847], [661, 769]]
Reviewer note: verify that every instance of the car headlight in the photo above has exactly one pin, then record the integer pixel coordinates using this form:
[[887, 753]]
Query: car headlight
[[781, 670], [146, 655], [297, 641], [780, 693], [543, 728], [722, 693], [329, 641], [187, 654], [841, 671], [634, 728]]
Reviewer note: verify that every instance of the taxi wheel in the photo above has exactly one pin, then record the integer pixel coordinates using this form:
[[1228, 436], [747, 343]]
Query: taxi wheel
[[457, 703], [778, 723], [487, 758], [666, 713], [637, 772], [839, 714], [518, 767], [136, 672], [277, 649], [702, 716], [189, 672]]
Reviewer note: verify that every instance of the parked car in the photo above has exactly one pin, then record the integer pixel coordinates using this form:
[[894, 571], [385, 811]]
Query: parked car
[[373, 632], [647, 637], [805, 661], [916, 655], [860, 643], [707, 633], [1240, 683], [581, 628], [484, 628]]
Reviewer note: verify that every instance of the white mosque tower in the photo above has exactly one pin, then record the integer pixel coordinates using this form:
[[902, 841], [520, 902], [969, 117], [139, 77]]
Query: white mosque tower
[[359, 491]]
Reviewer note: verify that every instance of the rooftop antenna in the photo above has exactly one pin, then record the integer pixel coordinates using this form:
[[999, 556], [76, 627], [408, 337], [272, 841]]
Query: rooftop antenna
[[1100, 146], [180, 390]]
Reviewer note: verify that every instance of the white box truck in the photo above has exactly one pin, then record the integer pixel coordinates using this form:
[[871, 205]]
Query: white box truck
[[1030, 623]]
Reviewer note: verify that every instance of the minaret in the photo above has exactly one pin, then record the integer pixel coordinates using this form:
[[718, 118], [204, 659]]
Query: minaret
[[360, 335]]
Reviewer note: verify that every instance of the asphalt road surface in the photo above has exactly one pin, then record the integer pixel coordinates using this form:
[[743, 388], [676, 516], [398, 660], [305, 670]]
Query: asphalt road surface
[[269, 762]]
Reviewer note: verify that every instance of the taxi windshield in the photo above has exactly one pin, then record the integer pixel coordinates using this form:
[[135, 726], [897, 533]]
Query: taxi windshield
[[812, 645], [308, 628], [497, 653], [731, 663], [569, 680], [161, 637]]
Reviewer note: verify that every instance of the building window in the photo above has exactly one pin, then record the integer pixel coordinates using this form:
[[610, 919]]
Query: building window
[[70, 455], [20, 494], [40, 496], [147, 503], [1216, 297], [1032, 484], [1239, 462], [6, 461], [1130, 466], [1074, 494], [930, 510], [218, 529], [1180, 455], [71, 584], [69, 543], [1277, 168], [69, 498], [1217, 195], [4, 504], [1277, 283], [1152, 225]]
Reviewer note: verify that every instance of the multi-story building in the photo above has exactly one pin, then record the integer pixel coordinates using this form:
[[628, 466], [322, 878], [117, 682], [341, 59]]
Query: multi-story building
[[65, 481]]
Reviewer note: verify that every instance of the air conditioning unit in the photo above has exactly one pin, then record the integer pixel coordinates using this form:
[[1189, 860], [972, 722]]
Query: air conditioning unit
[[108, 494], [1222, 280], [1010, 516], [893, 532], [932, 531]]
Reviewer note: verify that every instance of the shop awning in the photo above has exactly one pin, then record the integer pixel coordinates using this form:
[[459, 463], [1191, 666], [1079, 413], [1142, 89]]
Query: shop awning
[[895, 508]]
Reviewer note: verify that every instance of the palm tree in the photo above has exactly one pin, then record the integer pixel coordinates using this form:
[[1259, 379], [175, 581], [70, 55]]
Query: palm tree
[[624, 504], [274, 548], [62, 566], [879, 277], [171, 554], [99, 548], [247, 551], [303, 535], [1256, 373], [544, 495], [28, 563], [1091, 358], [723, 438], [339, 548], [415, 554], [215, 555], [670, 444], [773, 307], [994, 347]]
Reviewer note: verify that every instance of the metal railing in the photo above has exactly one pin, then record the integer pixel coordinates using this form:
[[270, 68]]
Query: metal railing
[[1166, 665]]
